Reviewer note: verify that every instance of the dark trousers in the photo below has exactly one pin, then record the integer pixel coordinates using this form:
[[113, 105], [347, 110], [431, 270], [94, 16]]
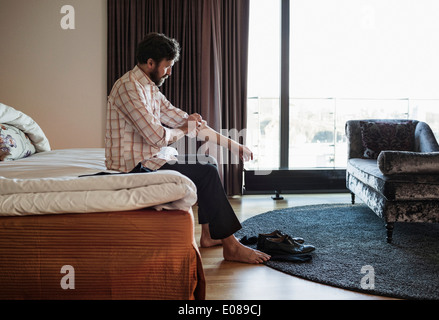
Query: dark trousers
[[213, 205]]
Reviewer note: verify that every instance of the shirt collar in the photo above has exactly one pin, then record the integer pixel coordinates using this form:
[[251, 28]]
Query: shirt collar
[[144, 79]]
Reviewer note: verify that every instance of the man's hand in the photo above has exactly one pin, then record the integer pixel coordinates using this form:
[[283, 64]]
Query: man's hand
[[245, 154], [194, 124], [195, 117]]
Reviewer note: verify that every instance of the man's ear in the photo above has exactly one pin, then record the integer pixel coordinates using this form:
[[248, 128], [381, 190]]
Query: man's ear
[[151, 63]]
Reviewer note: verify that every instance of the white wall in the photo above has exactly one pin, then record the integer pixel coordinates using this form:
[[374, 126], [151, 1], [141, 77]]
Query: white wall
[[56, 76]]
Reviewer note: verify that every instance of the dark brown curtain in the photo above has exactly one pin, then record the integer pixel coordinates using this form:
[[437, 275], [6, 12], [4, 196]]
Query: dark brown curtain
[[211, 76]]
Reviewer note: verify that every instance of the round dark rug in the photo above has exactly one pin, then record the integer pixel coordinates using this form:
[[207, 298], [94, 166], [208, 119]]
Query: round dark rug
[[352, 252]]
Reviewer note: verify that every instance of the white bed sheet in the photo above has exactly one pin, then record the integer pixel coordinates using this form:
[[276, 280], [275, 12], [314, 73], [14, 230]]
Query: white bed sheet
[[49, 183]]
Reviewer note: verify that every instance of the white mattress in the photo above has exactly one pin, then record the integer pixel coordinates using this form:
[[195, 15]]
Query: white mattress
[[49, 183]]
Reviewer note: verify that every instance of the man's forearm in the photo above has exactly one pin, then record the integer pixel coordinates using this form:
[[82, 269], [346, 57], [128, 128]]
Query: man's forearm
[[208, 134]]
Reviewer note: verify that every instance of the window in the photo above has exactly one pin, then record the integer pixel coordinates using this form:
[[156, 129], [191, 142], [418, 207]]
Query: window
[[346, 60], [263, 134]]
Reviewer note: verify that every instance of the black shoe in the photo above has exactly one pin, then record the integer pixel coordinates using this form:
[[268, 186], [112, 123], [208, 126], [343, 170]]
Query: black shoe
[[249, 240], [275, 234], [285, 245], [297, 258]]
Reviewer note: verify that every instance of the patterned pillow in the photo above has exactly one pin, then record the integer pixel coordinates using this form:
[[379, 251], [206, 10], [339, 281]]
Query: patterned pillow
[[387, 135], [14, 143]]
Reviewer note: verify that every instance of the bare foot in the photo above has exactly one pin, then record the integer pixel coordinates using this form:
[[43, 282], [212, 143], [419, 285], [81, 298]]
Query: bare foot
[[205, 240], [208, 243], [233, 250]]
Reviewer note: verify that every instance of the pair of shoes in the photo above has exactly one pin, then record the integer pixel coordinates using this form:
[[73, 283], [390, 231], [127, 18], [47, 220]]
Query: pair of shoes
[[278, 243], [286, 245], [275, 234]]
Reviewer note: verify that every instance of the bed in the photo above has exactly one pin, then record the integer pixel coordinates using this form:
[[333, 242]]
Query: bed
[[67, 232]]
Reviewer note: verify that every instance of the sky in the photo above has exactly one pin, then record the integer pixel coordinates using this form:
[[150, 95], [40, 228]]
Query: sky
[[348, 49]]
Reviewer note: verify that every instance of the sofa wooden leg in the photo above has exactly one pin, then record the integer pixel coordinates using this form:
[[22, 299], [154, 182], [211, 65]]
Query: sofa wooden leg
[[389, 227], [353, 198]]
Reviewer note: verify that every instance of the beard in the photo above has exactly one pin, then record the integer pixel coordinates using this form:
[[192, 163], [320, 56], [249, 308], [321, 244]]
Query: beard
[[159, 81]]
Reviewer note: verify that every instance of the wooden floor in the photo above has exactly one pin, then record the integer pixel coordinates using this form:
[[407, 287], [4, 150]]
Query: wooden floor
[[238, 281]]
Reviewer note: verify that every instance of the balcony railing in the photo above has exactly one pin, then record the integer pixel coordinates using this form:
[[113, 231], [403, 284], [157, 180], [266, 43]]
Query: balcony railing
[[317, 137]]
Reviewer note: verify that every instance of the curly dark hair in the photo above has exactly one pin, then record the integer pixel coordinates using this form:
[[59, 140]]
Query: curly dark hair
[[157, 46]]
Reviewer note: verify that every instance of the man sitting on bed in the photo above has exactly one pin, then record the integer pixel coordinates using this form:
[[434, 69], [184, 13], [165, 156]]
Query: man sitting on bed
[[141, 123]]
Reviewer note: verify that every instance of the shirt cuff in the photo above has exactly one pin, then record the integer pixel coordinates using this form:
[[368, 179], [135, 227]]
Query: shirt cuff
[[170, 133]]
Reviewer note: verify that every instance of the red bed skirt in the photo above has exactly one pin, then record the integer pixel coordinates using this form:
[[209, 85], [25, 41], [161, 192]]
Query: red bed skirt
[[145, 254]]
